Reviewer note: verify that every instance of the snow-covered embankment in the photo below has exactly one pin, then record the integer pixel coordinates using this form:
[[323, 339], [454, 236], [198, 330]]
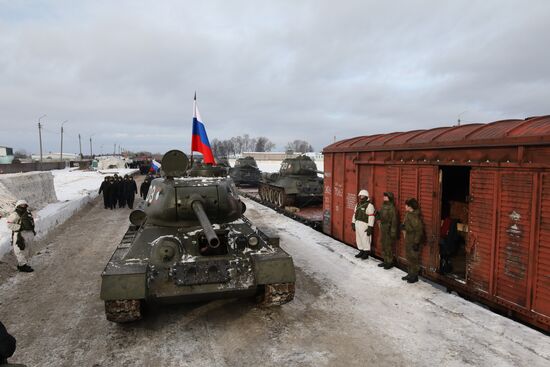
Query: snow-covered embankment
[[73, 190]]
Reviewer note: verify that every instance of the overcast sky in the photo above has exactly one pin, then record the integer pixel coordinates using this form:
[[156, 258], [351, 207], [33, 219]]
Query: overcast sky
[[126, 71]]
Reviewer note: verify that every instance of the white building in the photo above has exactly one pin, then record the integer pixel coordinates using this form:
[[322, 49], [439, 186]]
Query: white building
[[6, 155]]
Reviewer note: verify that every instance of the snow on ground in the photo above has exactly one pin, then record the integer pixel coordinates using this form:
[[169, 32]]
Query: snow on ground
[[74, 189], [430, 327]]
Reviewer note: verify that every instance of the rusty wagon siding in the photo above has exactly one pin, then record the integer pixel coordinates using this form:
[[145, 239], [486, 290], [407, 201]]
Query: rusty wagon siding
[[492, 180]]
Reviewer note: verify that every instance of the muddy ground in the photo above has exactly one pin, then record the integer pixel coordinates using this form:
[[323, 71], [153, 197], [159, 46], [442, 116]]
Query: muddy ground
[[58, 319]]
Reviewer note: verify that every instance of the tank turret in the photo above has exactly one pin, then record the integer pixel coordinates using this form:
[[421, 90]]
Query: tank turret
[[246, 172], [189, 240], [297, 183]]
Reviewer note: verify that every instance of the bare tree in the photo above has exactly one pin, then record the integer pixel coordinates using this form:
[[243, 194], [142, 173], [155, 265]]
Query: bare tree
[[263, 144], [300, 146]]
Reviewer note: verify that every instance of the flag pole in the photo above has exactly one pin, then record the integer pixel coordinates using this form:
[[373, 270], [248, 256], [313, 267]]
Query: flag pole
[[194, 116]]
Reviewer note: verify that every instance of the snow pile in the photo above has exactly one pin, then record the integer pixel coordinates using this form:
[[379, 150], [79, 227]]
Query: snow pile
[[73, 189], [105, 163], [37, 188]]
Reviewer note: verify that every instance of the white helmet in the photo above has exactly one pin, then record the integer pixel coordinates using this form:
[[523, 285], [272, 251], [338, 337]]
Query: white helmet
[[21, 202], [363, 193]]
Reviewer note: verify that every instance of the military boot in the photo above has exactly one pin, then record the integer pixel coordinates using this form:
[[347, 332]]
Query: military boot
[[365, 255], [25, 268], [406, 277], [388, 266], [359, 254], [381, 265], [413, 279]]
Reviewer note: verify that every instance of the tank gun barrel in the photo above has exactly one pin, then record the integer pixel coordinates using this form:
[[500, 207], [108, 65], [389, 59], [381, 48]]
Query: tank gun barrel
[[211, 237]]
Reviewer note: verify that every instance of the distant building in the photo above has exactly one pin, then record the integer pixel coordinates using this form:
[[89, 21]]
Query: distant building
[[6, 155], [56, 157]]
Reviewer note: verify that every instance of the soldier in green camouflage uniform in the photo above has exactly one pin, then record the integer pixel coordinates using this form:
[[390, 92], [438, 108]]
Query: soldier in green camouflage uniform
[[413, 237], [388, 229]]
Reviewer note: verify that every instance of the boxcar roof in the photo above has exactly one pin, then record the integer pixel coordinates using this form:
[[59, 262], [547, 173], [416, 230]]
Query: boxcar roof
[[530, 131]]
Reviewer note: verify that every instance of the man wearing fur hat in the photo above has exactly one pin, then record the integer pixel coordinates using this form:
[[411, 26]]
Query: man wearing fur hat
[[363, 224], [21, 224]]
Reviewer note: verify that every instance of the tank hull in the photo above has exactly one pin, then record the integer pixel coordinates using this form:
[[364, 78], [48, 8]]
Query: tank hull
[[131, 274]]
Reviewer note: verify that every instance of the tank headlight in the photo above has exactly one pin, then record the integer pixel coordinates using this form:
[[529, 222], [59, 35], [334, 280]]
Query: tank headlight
[[253, 241], [241, 241]]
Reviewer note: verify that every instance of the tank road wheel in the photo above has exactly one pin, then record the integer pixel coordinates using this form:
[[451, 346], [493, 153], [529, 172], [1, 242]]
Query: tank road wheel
[[123, 310], [261, 192], [277, 294], [270, 195], [281, 199]]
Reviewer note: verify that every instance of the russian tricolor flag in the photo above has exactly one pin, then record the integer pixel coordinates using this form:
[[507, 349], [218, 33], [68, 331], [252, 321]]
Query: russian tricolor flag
[[200, 142], [155, 165]]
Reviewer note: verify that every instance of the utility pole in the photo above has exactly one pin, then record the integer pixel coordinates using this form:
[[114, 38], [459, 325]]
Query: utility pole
[[458, 120], [80, 145], [91, 150], [40, 135], [63, 123], [114, 150]]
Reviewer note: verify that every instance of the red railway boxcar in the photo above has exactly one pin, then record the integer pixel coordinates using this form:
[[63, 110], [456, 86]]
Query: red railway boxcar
[[490, 181]]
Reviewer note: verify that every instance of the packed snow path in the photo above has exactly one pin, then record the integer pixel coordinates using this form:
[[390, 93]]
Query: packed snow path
[[346, 313]]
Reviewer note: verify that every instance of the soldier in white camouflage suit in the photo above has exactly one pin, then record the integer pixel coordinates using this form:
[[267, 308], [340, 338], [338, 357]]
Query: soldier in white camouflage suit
[[21, 224], [363, 224]]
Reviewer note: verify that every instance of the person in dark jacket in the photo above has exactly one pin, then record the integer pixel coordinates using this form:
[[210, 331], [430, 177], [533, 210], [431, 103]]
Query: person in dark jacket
[[120, 192], [103, 189], [7, 345], [111, 193], [130, 189], [413, 237], [144, 188], [388, 229]]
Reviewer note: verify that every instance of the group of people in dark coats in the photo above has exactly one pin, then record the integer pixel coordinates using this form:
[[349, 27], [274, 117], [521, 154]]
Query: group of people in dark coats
[[118, 191]]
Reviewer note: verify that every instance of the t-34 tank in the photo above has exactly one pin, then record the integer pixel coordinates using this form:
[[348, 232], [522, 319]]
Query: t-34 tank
[[296, 183], [245, 172], [191, 242]]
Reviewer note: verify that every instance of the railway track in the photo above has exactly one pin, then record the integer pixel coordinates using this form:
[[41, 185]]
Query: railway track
[[311, 216]]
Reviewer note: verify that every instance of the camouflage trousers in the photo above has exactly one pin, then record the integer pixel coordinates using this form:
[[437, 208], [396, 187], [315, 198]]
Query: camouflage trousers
[[413, 258], [387, 250]]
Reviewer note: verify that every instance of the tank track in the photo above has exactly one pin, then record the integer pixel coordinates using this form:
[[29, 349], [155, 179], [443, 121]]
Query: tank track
[[123, 310], [277, 294], [317, 225], [275, 195]]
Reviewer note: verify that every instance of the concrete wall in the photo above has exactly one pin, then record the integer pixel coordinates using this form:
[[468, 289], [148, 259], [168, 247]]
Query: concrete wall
[[35, 187], [44, 166]]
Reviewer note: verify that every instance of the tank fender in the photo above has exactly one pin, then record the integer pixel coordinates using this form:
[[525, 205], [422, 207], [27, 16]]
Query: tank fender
[[123, 281], [277, 267]]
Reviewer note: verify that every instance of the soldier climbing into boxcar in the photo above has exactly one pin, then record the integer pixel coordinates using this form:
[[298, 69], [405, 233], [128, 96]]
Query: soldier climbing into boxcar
[[413, 237], [388, 229], [363, 224]]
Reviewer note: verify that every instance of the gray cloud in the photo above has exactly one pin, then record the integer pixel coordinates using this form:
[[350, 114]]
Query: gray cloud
[[126, 71]]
